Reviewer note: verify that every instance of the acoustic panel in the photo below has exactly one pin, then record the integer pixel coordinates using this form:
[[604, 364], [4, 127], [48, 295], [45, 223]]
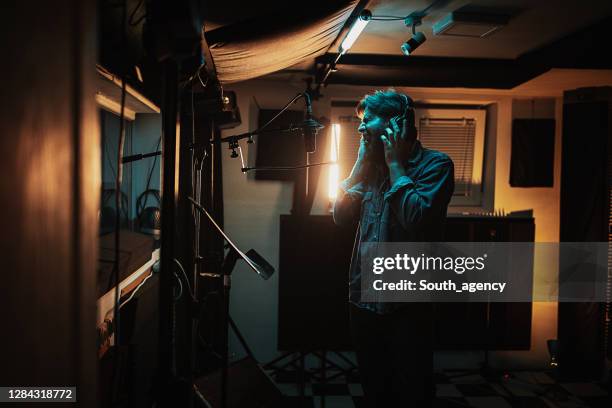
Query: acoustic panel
[[532, 160]]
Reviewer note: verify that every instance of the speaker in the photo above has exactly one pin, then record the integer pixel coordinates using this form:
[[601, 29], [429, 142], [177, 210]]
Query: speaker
[[313, 288], [313, 284], [248, 387]]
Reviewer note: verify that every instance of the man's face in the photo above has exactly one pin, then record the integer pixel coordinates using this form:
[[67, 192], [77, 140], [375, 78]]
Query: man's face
[[371, 128]]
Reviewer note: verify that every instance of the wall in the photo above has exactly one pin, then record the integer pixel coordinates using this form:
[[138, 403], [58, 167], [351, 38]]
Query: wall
[[49, 192], [252, 212], [545, 204], [252, 208]]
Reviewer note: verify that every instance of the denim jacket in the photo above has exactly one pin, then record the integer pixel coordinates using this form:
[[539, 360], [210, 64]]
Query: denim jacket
[[413, 209]]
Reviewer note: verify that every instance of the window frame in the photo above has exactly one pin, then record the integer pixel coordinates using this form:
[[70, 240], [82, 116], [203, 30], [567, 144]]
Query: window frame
[[479, 116]]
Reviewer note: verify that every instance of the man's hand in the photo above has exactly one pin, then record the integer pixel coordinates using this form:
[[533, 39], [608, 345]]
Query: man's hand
[[396, 143], [361, 154], [361, 165], [398, 146]]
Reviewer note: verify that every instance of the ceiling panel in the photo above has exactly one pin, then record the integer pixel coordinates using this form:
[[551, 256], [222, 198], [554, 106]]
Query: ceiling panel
[[537, 23]]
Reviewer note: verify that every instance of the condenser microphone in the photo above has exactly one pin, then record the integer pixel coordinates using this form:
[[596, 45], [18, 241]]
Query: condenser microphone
[[310, 127]]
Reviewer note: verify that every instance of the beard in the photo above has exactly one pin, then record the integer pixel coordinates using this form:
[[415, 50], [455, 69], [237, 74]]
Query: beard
[[376, 152]]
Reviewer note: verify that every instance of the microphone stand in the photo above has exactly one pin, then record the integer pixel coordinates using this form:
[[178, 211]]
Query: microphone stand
[[255, 262]]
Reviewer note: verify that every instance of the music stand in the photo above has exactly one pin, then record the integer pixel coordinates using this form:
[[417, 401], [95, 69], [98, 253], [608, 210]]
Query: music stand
[[257, 263]]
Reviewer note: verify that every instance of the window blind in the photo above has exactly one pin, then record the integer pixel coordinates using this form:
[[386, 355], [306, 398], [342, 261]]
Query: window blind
[[455, 137]]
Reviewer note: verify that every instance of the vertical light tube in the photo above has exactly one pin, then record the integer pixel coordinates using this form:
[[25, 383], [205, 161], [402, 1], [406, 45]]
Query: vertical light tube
[[334, 170], [362, 21]]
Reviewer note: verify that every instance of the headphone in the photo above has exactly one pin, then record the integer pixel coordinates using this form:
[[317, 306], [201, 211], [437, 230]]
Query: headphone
[[404, 114], [406, 106], [149, 218], [108, 212]]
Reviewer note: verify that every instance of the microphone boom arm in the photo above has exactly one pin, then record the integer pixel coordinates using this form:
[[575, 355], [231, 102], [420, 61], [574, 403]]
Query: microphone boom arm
[[235, 138], [305, 166], [309, 126]]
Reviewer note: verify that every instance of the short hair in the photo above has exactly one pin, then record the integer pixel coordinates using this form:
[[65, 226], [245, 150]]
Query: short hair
[[387, 104]]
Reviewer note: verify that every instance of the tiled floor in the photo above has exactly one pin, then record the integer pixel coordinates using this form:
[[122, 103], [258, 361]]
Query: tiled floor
[[456, 389]]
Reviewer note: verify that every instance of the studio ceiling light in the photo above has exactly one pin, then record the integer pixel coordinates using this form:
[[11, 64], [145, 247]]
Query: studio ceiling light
[[418, 38], [362, 21], [413, 43]]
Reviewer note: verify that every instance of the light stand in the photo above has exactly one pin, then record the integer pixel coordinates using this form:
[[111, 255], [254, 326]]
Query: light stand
[[255, 262]]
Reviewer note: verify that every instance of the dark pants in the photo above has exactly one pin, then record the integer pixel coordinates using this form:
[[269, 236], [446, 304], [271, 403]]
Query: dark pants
[[395, 356]]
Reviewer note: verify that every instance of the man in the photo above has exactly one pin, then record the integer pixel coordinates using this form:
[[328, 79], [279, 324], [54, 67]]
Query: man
[[398, 191]]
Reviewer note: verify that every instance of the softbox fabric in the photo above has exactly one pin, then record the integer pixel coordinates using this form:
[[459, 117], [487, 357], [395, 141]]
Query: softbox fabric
[[272, 42]]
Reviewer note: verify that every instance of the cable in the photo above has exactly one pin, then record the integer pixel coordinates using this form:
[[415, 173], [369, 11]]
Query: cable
[[204, 154], [114, 389], [201, 397], [245, 169], [106, 150], [144, 203], [177, 297], [284, 108], [206, 346], [387, 18], [133, 13], [241, 157], [118, 181], [136, 290], [426, 9], [176, 261], [194, 163], [200, 78]]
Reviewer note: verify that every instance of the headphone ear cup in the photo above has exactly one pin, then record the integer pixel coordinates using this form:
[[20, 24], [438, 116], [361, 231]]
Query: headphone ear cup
[[412, 132], [149, 216]]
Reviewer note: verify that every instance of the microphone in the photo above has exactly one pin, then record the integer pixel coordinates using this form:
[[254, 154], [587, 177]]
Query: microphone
[[310, 127]]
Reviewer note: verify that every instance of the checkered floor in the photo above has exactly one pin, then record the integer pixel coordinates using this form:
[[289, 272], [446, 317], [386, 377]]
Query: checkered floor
[[458, 389]]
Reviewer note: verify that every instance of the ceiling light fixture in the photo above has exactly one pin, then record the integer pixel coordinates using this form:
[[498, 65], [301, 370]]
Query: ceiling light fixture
[[413, 43], [349, 39], [362, 21], [418, 38], [364, 18]]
